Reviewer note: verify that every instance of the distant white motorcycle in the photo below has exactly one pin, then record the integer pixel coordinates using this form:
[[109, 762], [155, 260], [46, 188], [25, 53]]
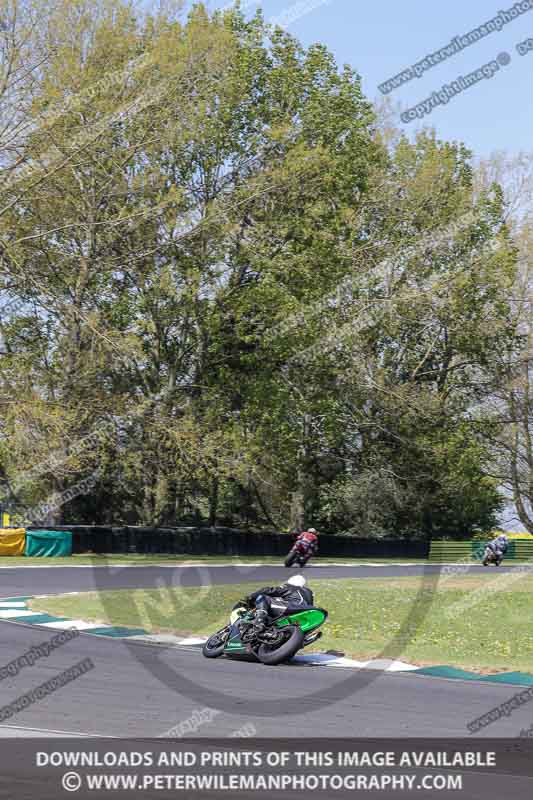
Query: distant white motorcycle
[[490, 557]]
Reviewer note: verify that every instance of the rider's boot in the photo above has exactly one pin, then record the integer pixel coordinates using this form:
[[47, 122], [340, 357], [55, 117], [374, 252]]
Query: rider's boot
[[260, 620]]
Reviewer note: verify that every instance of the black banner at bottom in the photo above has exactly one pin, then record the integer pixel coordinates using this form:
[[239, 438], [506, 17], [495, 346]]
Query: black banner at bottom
[[47, 769]]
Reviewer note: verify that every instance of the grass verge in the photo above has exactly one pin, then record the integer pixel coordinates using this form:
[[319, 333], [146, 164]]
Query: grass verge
[[480, 623]]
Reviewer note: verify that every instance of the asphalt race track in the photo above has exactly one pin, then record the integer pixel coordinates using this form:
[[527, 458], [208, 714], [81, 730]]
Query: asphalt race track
[[19, 581], [142, 690]]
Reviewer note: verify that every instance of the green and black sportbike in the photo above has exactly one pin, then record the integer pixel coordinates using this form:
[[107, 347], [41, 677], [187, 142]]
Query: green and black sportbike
[[278, 642]]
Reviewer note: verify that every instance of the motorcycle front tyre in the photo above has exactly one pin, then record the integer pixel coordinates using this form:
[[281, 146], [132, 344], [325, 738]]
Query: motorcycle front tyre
[[211, 649], [289, 561]]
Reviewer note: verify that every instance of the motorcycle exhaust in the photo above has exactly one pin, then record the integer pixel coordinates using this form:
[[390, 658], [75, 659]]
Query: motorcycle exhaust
[[311, 637]]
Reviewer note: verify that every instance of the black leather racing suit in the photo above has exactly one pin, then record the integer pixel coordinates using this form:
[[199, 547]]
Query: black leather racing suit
[[277, 600]]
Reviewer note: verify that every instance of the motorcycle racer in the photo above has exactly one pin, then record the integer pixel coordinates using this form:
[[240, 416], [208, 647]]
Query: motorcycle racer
[[309, 539], [274, 601], [497, 547]]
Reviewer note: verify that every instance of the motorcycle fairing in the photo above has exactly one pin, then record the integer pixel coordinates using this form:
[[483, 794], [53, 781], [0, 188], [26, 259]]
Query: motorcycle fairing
[[308, 619]]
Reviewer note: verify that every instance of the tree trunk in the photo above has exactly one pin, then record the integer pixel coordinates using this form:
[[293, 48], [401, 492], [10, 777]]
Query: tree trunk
[[213, 503]]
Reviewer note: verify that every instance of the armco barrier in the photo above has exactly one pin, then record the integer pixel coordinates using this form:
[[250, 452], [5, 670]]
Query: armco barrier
[[523, 549], [227, 542], [445, 551], [449, 551]]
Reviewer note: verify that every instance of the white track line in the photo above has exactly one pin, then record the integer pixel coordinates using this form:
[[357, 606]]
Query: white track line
[[58, 733], [79, 624], [6, 613]]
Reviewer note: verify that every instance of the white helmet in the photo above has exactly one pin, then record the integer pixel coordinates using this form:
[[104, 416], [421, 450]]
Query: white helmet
[[297, 580]]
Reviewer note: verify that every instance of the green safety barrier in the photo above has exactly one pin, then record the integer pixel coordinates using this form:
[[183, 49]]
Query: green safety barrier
[[518, 550], [48, 543]]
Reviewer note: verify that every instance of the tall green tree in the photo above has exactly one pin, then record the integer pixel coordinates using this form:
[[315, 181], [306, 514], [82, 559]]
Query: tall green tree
[[232, 294]]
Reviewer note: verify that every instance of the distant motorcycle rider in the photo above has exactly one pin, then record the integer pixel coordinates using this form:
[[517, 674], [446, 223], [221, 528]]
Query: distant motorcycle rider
[[498, 547], [274, 601], [309, 539]]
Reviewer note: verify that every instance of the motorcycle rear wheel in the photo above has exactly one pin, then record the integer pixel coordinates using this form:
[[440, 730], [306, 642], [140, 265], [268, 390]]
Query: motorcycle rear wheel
[[289, 648]]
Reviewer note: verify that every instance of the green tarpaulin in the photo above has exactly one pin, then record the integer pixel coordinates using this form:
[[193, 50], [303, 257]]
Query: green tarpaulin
[[48, 543]]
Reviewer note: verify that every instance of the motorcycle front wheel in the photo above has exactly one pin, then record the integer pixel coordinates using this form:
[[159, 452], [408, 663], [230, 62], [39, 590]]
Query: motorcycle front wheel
[[214, 647], [293, 641], [289, 561]]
